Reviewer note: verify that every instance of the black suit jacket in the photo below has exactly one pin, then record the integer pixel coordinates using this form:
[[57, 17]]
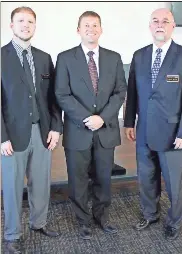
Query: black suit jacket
[[16, 121], [75, 95]]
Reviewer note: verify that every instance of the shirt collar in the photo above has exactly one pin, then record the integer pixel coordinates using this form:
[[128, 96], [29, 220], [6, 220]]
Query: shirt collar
[[164, 48], [20, 49], [86, 50]]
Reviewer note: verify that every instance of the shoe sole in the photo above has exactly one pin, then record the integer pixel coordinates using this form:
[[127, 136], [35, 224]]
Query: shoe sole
[[110, 233], [171, 238]]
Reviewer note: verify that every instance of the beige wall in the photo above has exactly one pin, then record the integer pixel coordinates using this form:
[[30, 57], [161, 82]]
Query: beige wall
[[125, 25]]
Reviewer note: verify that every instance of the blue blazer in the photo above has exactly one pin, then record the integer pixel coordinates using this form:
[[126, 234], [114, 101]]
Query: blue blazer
[[159, 108]]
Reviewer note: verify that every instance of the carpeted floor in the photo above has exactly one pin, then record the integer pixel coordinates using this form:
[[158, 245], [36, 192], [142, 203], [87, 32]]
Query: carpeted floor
[[123, 213]]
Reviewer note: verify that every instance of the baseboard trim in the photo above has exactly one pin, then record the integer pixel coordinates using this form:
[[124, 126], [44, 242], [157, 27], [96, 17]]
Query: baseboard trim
[[64, 183], [58, 185], [113, 179]]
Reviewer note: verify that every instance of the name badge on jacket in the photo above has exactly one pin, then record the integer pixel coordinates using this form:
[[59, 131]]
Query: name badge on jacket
[[172, 78], [45, 76]]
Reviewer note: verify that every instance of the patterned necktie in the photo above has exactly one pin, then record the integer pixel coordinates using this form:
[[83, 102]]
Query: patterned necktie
[[156, 66], [93, 71]]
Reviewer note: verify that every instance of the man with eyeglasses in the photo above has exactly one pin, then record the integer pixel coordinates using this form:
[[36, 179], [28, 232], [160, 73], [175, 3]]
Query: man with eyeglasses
[[155, 94]]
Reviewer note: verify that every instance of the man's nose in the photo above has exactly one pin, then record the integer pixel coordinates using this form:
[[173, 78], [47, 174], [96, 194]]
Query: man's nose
[[160, 25], [26, 24], [91, 30]]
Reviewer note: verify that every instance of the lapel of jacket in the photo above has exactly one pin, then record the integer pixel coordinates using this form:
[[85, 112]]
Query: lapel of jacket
[[83, 68], [103, 69], [37, 64], [17, 71], [168, 62], [147, 62]]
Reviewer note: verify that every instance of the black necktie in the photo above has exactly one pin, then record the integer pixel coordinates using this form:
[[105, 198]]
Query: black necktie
[[26, 66]]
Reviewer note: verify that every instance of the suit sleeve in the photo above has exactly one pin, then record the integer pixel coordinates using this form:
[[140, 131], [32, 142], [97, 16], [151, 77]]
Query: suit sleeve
[[118, 96], [66, 100], [179, 135], [55, 111], [131, 102], [4, 134]]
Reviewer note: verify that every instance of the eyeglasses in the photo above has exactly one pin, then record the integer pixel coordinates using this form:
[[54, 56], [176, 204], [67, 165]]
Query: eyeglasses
[[163, 22]]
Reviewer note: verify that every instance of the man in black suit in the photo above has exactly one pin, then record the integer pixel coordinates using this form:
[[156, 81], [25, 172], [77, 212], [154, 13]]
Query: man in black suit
[[90, 87], [155, 94], [31, 126]]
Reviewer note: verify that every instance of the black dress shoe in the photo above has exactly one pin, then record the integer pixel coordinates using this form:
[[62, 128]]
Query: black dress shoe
[[108, 228], [171, 233], [47, 231], [143, 223], [85, 232], [14, 247]]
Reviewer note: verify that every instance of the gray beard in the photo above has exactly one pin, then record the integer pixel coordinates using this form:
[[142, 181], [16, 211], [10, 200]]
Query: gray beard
[[160, 38]]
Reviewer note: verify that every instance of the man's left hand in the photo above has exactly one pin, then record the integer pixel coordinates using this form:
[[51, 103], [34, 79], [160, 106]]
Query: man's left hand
[[94, 122], [178, 143], [53, 138]]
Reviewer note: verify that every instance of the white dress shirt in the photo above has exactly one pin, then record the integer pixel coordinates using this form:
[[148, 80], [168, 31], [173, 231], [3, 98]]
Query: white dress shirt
[[164, 48], [95, 56]]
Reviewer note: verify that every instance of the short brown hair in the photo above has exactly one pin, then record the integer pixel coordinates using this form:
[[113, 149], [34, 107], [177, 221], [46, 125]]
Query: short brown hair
[[87, 14], [22, 9]]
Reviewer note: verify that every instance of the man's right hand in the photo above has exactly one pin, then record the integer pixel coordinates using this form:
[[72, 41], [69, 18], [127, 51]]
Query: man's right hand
[[6, 148], [130, 134]]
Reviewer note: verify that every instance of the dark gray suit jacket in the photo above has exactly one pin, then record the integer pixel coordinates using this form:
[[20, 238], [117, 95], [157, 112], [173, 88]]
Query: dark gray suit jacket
[[16, 106], [75, 96], [159, 109]]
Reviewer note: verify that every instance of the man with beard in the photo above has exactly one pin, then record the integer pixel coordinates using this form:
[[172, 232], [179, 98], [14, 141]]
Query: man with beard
[[155, 94], [31, 126]]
